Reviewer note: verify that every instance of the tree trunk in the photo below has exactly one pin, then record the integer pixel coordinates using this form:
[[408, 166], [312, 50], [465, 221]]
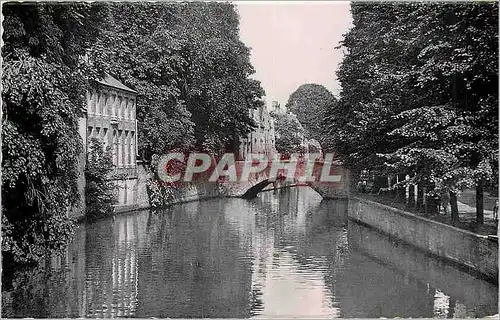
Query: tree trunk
[[454, 208], [400, 190], [411, 196], [420, 196], [425, 200], [432, 205], [479, 203]]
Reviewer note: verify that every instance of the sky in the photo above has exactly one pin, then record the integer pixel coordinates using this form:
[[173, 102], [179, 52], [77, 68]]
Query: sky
[[293, 43]]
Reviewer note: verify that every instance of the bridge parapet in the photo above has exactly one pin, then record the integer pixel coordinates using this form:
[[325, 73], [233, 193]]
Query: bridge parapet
[[330, 184]]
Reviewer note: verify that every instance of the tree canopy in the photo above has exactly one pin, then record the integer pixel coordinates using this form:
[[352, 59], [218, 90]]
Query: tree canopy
[[310, 102], [191, 71], [289, 133], [185, 60], [44, 83], [420, 91]]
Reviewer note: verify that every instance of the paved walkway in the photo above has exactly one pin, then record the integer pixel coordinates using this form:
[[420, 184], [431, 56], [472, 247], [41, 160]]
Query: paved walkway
[[464, 208]]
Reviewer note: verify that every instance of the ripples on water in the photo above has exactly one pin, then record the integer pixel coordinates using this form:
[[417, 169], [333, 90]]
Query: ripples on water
[[284, 254]]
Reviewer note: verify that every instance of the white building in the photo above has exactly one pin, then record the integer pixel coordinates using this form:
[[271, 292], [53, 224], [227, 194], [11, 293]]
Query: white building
[[262, 139], [111, 117]]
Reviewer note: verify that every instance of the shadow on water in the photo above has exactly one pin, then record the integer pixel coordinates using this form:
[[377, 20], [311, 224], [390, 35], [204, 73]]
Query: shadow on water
[[284, 253], [453, 292]]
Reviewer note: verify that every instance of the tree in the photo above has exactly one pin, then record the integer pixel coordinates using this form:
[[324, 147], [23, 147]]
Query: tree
[[289, 133], [44, 83], [99, 189], [310, 102], [217, 87], [420, 93], [140, 48], [190, 69], [457, 80]]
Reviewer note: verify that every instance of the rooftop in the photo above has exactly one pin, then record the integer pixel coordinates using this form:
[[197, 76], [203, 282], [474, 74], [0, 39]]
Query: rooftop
[[113, 82]]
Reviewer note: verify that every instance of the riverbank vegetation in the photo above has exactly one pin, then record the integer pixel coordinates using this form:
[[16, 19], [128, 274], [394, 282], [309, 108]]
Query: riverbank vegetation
[[100, 195], [185, 60], [420, 96], [44, 84], [190, 68]]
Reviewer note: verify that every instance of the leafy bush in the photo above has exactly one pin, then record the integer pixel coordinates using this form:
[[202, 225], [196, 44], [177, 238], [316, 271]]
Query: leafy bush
[[43, 92], [99, 190]]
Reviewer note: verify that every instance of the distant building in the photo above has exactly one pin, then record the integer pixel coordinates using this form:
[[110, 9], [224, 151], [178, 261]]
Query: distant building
[[111, 117], [262, 139], [276, 107]]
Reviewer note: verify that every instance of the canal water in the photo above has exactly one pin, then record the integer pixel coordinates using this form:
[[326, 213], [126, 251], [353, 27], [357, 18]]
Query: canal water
[[283, 254]]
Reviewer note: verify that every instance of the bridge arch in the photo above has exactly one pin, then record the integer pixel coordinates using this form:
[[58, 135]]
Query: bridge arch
[[337, 188], [327, 190]]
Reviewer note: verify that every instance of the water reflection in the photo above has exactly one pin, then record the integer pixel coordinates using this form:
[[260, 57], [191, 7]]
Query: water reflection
[[285, 253]]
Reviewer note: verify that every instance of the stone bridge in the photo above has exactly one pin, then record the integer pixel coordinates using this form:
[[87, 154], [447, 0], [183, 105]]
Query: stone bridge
[[330, 184]]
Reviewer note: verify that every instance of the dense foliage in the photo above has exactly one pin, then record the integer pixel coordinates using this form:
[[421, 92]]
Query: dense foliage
[[190, 69], [44, 83], [289, 133], [100, 195], [185, 60], [420, 92], [310, 102]]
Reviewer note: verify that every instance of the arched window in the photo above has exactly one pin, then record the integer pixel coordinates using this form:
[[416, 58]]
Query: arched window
[[97, 132]]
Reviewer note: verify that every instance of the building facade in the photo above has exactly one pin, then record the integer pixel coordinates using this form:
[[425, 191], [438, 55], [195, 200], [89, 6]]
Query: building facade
[[111, 118], [262, 139]]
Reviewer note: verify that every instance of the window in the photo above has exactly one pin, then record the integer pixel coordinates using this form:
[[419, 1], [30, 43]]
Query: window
[[115, 148], [125, 193], [98, 103], [132, 148], [90, 104], [118, 109], [126, 149], [122, 111], [105, 138], [132, 109], [124, 106], [112, 110], [120, 148], [107, 106]]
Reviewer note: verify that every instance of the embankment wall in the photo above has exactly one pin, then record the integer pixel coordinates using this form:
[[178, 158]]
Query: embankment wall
[[475, 252]]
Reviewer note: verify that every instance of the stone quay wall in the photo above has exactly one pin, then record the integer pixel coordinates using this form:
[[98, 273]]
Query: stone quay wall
[[152, 193], [472, 251]]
